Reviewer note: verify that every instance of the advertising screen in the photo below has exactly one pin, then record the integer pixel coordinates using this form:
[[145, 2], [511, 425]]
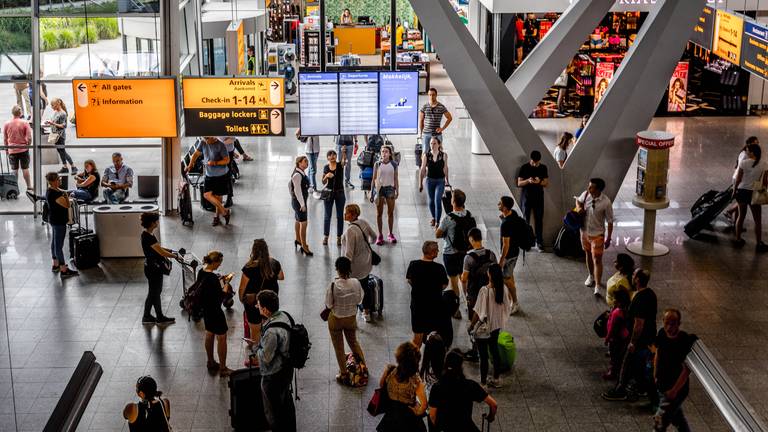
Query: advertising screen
[[125, 108], [319, 103], [704, 28], [678, 88], [754, 49], [233, 106], [603, 77], [727, 39], [398, 102], [359, 103]]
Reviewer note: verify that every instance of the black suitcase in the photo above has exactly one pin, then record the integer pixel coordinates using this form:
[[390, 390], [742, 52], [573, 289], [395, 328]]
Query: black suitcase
[[204, 203], [373, 294], [568, 243], [84, 248], [418, 150], [706, 209], [185, 205], [246, 407]]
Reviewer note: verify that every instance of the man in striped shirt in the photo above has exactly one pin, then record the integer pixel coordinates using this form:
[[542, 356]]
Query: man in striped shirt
[[430, 117]]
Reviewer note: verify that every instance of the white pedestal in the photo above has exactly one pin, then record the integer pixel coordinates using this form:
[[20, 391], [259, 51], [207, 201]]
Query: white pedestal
[[478, 145], [647, 247], [119, 229]]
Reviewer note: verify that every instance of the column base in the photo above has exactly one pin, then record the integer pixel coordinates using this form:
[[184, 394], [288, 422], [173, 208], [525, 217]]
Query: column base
[[657, 249]]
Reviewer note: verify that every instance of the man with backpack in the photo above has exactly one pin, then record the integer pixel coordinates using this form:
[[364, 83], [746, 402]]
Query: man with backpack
[[453, 230], [515, 234], [475, 275], [275, 363]]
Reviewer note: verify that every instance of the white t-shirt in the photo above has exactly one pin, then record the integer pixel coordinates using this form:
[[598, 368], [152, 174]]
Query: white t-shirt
[[496, 313], [560, 154], [385, 175], [751, 174], [742, 156], [599, 211]]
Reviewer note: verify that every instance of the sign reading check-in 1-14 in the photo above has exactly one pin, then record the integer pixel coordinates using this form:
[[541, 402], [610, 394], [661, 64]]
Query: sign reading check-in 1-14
[[234, 106]]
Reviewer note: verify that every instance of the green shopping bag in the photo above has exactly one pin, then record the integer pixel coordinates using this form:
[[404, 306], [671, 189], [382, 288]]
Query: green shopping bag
[[507, 350]]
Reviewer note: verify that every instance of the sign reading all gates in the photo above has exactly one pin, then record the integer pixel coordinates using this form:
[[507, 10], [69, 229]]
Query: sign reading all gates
[[234, 106], [125, 108]]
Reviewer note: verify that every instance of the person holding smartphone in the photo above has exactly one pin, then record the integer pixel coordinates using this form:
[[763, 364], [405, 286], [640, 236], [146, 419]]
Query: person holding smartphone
[[214, 288]]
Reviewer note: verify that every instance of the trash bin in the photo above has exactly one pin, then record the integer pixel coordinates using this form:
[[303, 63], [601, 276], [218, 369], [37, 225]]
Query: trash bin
[[119, 229]]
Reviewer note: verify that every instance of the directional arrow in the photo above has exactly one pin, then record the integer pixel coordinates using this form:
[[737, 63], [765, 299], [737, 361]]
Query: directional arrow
[[275, 114], [82, 87], [275, 85]]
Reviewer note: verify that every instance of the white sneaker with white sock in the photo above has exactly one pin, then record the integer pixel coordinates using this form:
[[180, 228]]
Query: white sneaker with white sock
[[590, 282]]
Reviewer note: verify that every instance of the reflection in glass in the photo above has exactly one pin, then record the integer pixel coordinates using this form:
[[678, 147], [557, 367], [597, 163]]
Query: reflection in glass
[[15, 7], [66, 7], [15, 46]]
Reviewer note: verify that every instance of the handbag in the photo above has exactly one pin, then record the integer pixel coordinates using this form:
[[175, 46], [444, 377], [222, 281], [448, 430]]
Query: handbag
[[759, 193], [53, 137], [482, 329], [326, 194], [379, 400], [326, 312], [601, 324], [162, 265], [375, 258]]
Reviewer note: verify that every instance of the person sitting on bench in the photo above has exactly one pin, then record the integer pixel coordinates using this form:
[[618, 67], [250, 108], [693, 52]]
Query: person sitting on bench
[[117, 180], [87, 183]]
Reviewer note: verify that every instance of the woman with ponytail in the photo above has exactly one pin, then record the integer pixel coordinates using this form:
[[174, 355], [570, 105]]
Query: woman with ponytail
[[151, 413], [58, 125], [213, 288]]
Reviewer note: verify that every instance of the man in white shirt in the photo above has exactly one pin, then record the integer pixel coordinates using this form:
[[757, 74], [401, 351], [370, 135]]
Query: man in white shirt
[[597, 210], [355, 245]]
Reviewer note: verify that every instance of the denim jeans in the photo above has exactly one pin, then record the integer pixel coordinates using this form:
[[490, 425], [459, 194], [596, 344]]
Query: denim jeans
[[427, 138], [435, 189], [278, 402], [670, 412], [155, 282], [537, 208], [115, 196], [58, 234], [339, 199], [82, 195], [348, 149], [312, 169], [636, 369]]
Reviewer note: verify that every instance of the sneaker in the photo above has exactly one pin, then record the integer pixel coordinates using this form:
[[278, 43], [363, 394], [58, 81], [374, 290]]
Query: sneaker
[[471, 356], [166, 320], [68, 273], [63, 170], [495, 382], [367, 317], [55, 269], [538, 248], [149, 320], [590, 282], [350, 185], [739, 243], [247, 158], [597, 289], [615, 395], [761, 247], [515, 309], [31, 195], [73, 170], [391, 238], [380, 240]]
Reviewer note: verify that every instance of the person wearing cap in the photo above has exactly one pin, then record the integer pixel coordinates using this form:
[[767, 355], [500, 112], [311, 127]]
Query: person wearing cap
[[152, 412]]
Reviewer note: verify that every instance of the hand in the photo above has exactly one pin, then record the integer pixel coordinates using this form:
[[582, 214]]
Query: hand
[[329, 175], [371, 198], [397, 193], [303, 208], [48, 122], [490, 417], [421, 188], [670, 394], [607, 243], [631, 348], [439, 130], [211, 163]]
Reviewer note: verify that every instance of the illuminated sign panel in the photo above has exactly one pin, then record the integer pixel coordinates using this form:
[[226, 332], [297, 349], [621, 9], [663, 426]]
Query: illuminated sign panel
[[704, 28], [125, 108], [754, 49], [727, 39]]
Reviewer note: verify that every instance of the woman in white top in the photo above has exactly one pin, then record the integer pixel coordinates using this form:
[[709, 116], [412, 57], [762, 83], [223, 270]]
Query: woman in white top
[[561, 151], [493, 304], [299, 188], [342, 297], [385, 189], [750, 175], [730, 212]]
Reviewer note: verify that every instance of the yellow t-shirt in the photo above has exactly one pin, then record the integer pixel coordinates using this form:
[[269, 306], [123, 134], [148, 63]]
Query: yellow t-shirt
[[399, 35], [615, 283]]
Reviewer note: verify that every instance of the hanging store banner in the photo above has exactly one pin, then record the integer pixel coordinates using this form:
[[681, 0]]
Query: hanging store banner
[[678, 88], [754, 49], [603, 77], [704, 28], [234, 106], [125, 108], [727, 38]]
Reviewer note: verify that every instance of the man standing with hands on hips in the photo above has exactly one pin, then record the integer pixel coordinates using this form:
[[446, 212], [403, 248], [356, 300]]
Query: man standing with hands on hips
[[430, 117], [533, 178]]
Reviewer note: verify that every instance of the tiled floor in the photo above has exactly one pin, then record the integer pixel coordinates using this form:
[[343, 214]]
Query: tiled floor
[[555, 384]]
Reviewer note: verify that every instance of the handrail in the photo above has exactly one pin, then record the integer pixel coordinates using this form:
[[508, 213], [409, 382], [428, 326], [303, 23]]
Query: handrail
[[736, 411], [73, 402]]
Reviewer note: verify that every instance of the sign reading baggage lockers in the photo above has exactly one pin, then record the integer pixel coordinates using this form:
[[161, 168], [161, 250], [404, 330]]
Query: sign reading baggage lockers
[[125, 108], [234, 106]]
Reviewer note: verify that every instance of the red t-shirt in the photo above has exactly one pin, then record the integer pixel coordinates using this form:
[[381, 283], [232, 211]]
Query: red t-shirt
[[16, 132]]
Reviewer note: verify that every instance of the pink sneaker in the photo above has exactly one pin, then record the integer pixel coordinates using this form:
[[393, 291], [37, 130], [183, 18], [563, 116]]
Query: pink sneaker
[[380, 240], [391, 238]]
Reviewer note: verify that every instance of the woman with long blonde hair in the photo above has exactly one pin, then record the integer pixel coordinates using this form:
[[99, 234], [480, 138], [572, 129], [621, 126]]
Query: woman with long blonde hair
[[58, 124], [259, 273]]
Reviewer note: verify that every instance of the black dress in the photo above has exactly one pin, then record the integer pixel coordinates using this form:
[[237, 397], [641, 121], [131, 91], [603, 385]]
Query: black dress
[[151, 418], [212, 295]]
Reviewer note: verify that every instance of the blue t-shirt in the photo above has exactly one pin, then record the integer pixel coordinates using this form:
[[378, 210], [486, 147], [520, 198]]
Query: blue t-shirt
[[214, 152]]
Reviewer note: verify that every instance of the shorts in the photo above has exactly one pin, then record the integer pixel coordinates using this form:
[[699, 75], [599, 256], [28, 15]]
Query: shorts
[[301, 216], [454, 263], [23, 158], [421, 321], [743, 196], [386, 192], [593, 244], [509, 267], [218, 185]]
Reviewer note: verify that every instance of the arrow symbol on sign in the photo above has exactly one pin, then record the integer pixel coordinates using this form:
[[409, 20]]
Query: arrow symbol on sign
[[81, 87], [275, 85], [275, 114]]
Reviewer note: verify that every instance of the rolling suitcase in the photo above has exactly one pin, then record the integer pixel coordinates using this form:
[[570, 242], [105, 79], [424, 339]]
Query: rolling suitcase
[[9, 182], [84, 248], [366, 176], [373, 294], [418, 150], [706, 209], [204, 203], [185, 205], [246, 407]]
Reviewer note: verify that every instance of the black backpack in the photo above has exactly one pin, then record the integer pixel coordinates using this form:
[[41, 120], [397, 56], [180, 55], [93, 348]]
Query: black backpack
[[524, 237], [478, 273], [192, 301], [460, 240], [298, 341]]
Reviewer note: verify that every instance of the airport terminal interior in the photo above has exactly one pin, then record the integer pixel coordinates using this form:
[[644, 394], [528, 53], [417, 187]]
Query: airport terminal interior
[[710, 102]]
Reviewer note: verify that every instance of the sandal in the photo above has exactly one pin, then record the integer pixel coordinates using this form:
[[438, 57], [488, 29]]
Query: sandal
[[212, 366], [225, 371]]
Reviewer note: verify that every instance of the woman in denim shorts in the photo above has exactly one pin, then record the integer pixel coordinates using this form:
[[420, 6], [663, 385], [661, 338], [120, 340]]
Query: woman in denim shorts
[[385, 187]]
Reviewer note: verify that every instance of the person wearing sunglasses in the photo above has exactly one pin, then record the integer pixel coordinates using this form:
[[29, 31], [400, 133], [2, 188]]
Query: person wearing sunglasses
[[598, 212]]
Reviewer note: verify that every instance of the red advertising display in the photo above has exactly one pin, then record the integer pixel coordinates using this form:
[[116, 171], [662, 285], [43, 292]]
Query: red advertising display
[[544, 28], [603, 77], [678, 88]]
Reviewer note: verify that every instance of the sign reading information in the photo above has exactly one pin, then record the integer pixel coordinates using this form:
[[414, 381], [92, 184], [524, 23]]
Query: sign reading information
[[125, 108], [234, 106]]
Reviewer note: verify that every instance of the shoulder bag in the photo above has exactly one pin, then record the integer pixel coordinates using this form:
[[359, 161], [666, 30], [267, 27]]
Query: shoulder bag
[[380, 399], [759, 193], [482, 328], [375, 258], [326, 312]]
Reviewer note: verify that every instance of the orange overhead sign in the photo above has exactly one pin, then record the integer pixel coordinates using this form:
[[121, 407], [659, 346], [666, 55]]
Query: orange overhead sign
[[125, 108], [728, 33], [233, 92]]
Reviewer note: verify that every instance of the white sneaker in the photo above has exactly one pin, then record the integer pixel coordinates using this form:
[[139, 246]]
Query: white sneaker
[[367, 317], [515, 308], [597, 289], [538, 248], [590, 282], [495, 383]]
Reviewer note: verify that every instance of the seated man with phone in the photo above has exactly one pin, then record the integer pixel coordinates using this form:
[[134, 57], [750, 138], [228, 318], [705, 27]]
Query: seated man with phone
[[117, 180]]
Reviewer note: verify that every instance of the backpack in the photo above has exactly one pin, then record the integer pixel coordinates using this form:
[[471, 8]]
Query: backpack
[[298, 341], [460, 240], [191, 303], [524, 237], [478, 273]]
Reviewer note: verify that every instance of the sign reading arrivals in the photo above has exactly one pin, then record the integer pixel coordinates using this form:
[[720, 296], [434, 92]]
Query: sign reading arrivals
[[754, 49], [125, 108], [234, 106]]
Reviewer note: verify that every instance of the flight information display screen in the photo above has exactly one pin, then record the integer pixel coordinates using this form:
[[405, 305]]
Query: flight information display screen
[[359, 103], [319, 103]]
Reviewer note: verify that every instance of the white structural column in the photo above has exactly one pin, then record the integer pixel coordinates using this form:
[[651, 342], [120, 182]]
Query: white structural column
[[607, 147], [542, 66], [171, 54]]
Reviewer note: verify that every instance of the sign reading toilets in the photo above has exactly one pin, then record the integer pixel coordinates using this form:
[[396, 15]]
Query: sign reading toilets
[[125, 108], [234, 106], [398, 103]]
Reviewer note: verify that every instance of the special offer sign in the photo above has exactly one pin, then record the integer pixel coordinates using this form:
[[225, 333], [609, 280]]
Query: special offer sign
[[678, 88], [603, 77]]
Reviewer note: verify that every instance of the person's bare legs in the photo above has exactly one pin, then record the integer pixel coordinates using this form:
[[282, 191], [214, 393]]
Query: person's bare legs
[[380, 215], [510, 284], [303, 235], [216, 201], [742, 215], [390, 215], [297, 231], [757, 215], [27, 181], [590, 263], [598, 266], [209, 348], [221, 350]]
